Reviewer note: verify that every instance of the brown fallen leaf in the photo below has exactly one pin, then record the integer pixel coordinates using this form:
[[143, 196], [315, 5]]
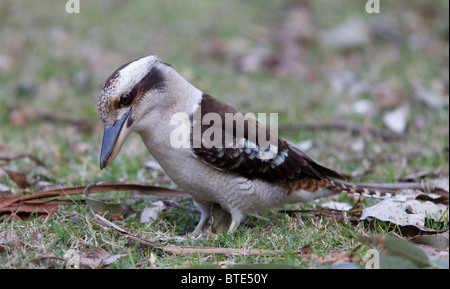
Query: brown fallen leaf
[[11, 203], [19, 117], [45, 208], [20, 179]]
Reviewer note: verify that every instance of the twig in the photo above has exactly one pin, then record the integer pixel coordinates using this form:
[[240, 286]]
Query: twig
[[124, 232], [422, 174], [331, 213], [260, 217], [176, 205], [82, 124], [350, 127], [21, 156], [190, 250]]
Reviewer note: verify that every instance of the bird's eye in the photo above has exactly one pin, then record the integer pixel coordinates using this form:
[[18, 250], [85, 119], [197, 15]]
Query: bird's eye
[[126, 99]]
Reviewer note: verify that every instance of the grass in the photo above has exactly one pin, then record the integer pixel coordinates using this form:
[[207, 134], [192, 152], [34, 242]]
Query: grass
[[54, 61]]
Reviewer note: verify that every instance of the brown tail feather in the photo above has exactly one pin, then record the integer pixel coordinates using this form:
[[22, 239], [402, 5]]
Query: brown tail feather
[[312, 185]]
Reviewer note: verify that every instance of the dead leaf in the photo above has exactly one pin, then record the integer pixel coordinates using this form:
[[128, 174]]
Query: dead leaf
[[350, 34], [46, 209], [307, 253], [433, 96], [439, 242], [151, 211], [331, 258], [348, 82], [336, 206], [4, 189], [98, 257], [20, 179], [12, 203], [434, 253], [406, 211], [407, 250], [19, 117], [9, 239], [339, 257], [363, 107], [397, 253], [305, 145], [397, 119], [442, 183], [386, 97], [435, 198]]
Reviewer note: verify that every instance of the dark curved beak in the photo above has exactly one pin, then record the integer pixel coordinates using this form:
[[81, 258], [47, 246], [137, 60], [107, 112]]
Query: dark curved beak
[[114, 137]]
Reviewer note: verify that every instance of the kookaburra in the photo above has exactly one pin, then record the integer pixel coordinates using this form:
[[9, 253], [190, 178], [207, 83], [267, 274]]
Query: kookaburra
[[224, 168]]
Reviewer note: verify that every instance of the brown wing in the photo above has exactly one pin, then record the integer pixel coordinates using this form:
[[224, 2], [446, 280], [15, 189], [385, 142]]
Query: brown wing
[[239, 148]]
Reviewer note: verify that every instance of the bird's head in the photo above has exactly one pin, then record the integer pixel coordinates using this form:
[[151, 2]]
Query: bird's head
[[129, 93]]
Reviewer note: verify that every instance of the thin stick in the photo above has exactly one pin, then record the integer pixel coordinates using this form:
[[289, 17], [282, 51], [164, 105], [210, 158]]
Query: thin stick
[[353, 128], [21, 156], [190, 250]]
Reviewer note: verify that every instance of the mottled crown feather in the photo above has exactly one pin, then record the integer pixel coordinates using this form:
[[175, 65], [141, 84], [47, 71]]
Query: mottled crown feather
[[123, 80]]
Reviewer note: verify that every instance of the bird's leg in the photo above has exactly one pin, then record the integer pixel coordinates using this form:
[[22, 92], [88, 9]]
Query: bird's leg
[[221, 219], [236, 219], [205, 210]]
